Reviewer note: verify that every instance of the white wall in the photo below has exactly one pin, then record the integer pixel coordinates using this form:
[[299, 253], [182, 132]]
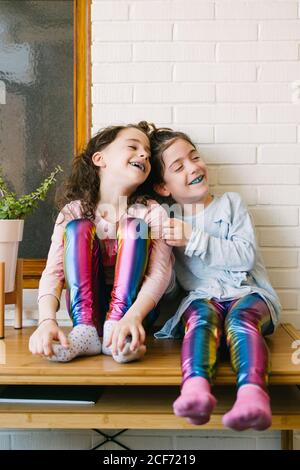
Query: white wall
[[221, 71]]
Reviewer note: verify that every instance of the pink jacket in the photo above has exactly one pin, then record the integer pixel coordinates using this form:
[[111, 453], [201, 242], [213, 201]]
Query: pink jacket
[[159, 270]]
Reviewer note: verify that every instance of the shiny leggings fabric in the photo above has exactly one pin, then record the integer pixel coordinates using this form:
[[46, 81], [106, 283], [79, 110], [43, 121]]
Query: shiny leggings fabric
[[244, 322], [89, 300]]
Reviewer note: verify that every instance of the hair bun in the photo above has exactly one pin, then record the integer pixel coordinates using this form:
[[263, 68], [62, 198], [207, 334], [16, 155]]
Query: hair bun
[[148, 127]]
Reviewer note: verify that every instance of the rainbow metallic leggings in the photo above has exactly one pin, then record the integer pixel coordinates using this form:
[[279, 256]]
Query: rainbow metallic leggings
[[244, 322], [87, 295]]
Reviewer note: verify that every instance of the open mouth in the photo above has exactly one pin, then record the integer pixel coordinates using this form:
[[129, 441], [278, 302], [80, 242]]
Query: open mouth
[[138, 165], [197, 180]]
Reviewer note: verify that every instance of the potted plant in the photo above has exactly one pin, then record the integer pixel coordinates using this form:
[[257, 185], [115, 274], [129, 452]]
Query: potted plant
[[13, 210]]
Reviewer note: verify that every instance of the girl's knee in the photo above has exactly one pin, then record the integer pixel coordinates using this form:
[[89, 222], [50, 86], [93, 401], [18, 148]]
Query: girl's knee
[[78, 224], [240, 321], [201, 311]]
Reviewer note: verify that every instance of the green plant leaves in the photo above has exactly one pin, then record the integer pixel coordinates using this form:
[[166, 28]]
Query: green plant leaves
[[12, 207]]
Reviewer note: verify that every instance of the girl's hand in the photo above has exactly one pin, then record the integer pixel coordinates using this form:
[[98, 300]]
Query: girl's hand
[[176, 232], [129, 325], [40, 342]]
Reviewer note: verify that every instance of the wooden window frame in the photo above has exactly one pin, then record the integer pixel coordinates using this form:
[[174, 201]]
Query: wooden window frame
[[33, 268]]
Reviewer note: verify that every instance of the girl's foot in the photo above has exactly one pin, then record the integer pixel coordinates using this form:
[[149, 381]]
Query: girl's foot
[[124, 356], [195, 403], [251, 410], [129, 356], [107, 327], [83, 341]]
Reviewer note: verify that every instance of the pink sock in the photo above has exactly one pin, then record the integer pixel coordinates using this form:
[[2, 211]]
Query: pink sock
[[250, 410], [195, 402]]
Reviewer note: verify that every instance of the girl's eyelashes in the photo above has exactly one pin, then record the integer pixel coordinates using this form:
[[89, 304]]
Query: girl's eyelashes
[[197, 157], [178, 169]]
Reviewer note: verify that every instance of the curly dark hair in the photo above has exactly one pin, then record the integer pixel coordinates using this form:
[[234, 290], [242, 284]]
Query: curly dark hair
[[83, 183]]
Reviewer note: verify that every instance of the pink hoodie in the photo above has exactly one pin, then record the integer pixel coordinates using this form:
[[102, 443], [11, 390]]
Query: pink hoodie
[[158, 273]]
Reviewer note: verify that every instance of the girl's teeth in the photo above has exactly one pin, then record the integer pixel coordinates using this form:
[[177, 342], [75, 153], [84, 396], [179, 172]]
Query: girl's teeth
[[197, 180], [137, 166]]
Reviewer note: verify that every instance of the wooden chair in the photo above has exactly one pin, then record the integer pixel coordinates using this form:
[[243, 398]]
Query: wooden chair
[[15, 297]]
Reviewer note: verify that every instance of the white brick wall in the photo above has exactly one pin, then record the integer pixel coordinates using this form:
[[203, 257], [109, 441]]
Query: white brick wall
[[221, 71]]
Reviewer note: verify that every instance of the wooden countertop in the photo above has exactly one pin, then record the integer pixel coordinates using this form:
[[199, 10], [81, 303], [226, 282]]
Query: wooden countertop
[[160, 366]]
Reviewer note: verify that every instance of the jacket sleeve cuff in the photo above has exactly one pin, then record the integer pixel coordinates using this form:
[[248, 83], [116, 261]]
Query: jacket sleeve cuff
[[43, 295], [197, 244], [150, 294]]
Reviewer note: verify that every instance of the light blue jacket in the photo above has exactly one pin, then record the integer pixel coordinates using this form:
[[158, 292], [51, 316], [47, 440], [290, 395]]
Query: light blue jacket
[[221, 260]]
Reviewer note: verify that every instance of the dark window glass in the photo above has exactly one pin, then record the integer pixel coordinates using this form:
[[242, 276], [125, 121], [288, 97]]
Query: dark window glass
[[36, 105]]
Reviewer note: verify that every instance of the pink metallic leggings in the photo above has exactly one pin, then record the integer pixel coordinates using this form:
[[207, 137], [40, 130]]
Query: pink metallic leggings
[[87, 295], [244, 321]]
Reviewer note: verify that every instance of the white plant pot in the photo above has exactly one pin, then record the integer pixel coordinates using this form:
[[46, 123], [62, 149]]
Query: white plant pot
[[11, 233]]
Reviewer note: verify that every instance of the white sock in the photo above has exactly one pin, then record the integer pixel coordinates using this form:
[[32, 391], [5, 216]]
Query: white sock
[[83, 341], [126, 355], [107, 327]]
